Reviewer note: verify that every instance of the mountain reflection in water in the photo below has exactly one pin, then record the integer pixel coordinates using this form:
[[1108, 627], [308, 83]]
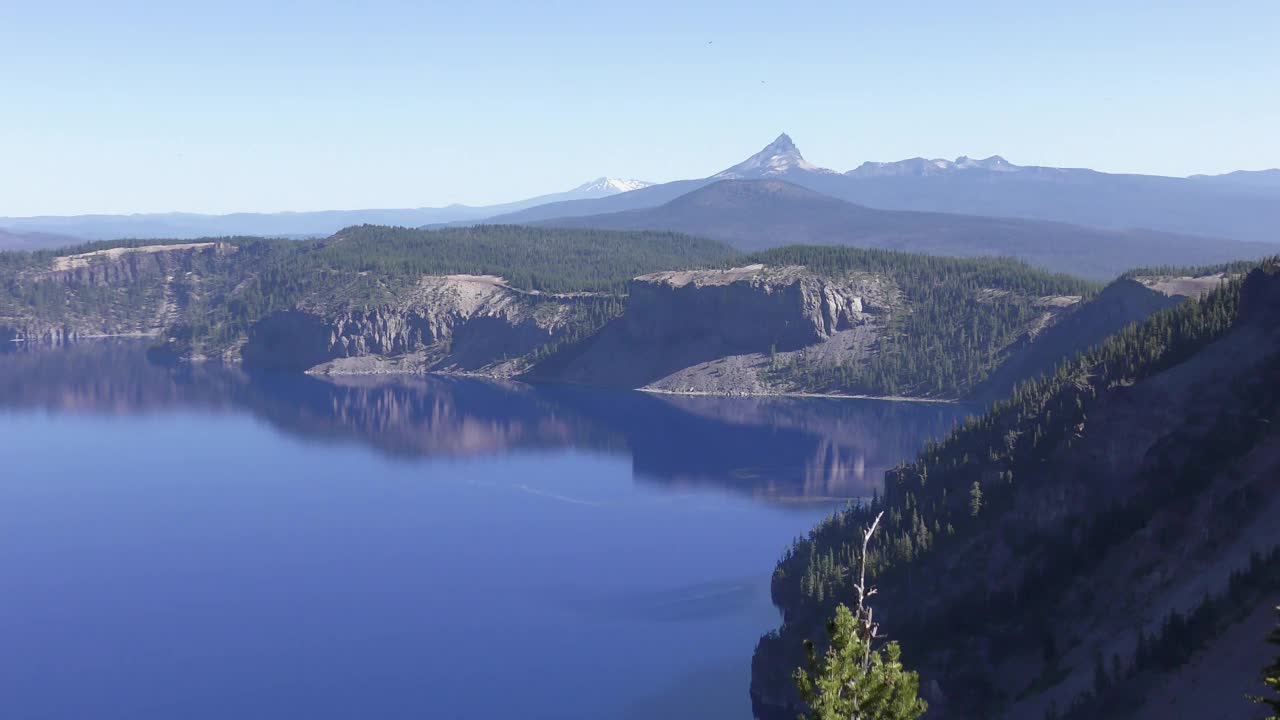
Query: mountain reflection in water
[[778, 449]]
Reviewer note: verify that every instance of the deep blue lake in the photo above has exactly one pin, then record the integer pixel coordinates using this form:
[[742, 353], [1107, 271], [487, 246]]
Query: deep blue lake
[[203, 543]]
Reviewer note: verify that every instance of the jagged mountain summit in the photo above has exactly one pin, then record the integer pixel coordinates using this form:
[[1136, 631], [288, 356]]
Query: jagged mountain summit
[[919, 166], [778, 158]]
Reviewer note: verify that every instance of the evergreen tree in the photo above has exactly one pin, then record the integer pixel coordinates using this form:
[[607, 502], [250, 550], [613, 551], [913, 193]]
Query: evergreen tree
[[854, 680], [1271, 677]]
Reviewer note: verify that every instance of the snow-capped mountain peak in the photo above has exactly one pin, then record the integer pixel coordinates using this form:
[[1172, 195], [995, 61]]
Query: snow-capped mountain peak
[[994, 163], [610, 186], [777, 158], [937, 166]]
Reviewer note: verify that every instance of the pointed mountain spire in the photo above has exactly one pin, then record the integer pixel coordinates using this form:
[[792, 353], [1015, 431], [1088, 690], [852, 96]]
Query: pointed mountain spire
[[777, 158]]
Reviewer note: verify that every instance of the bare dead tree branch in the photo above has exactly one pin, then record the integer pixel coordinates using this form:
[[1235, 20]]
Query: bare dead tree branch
[[865, 613]]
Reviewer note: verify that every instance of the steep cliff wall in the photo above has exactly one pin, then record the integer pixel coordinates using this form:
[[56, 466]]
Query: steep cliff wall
[[1127, 300], [717, 331], [458, 323], [119, 291], [126, 265], [30, 330], [750, 307]]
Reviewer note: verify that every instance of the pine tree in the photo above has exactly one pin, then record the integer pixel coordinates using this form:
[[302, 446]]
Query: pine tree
[[853, 680], [975, 499], [1271, 677]]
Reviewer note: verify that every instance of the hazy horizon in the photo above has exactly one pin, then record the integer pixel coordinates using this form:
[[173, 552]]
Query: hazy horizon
[[237, 108]]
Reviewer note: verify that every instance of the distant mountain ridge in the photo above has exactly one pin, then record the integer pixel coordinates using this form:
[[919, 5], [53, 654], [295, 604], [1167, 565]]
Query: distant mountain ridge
[[1265, 180], [1241, 206], [920, 166], [51, 231], [759, 214]]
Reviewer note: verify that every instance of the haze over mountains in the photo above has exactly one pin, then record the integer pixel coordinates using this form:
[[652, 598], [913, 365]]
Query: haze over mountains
[[1075, 220]]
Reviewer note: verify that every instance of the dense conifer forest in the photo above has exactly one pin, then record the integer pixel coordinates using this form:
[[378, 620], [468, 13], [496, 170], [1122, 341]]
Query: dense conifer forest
[[960, 315], [930, 498]]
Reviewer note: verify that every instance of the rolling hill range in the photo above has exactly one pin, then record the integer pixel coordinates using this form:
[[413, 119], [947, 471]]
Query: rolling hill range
[[760, 214]]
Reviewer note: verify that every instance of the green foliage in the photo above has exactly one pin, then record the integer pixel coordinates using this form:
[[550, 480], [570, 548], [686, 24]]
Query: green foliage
[[852, 681], [1231, 268], [544, 259], [975, 273], [1271, 678], [960, 316]]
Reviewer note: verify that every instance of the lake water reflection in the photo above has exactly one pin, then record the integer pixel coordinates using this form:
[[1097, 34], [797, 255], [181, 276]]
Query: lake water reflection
[[206, 543]]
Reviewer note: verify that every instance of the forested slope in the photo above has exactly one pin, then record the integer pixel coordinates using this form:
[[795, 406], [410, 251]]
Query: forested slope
[[955, 319], [1117, 509]]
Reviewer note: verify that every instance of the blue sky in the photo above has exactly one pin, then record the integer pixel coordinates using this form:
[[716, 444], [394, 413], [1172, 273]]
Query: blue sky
[[263, 106]]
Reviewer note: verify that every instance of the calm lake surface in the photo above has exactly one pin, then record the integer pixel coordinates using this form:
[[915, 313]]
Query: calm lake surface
[[203, 543]]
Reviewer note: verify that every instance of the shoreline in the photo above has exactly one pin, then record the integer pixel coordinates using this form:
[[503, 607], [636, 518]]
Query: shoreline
[[827, 396], [652, 391], [385, 372], [38, 341]]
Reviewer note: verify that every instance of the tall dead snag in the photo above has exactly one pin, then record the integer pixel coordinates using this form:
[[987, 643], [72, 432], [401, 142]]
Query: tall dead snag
[[853, 680]]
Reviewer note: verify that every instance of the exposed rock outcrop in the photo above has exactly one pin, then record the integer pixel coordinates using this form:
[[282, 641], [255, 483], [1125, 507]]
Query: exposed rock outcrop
[[458, 323], [749, 307], [124, 265], [130, 291], [1125, 301], [25, 330], [715, 330]]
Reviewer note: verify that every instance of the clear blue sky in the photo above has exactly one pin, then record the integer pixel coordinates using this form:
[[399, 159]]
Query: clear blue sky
[[233, 105]]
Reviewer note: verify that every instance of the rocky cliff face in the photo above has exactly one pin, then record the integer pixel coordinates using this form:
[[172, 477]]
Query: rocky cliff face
[[459, 323], [127, 265], [119, 291], [715, 331], [1125, 301], [750, 307], [28, 330]]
